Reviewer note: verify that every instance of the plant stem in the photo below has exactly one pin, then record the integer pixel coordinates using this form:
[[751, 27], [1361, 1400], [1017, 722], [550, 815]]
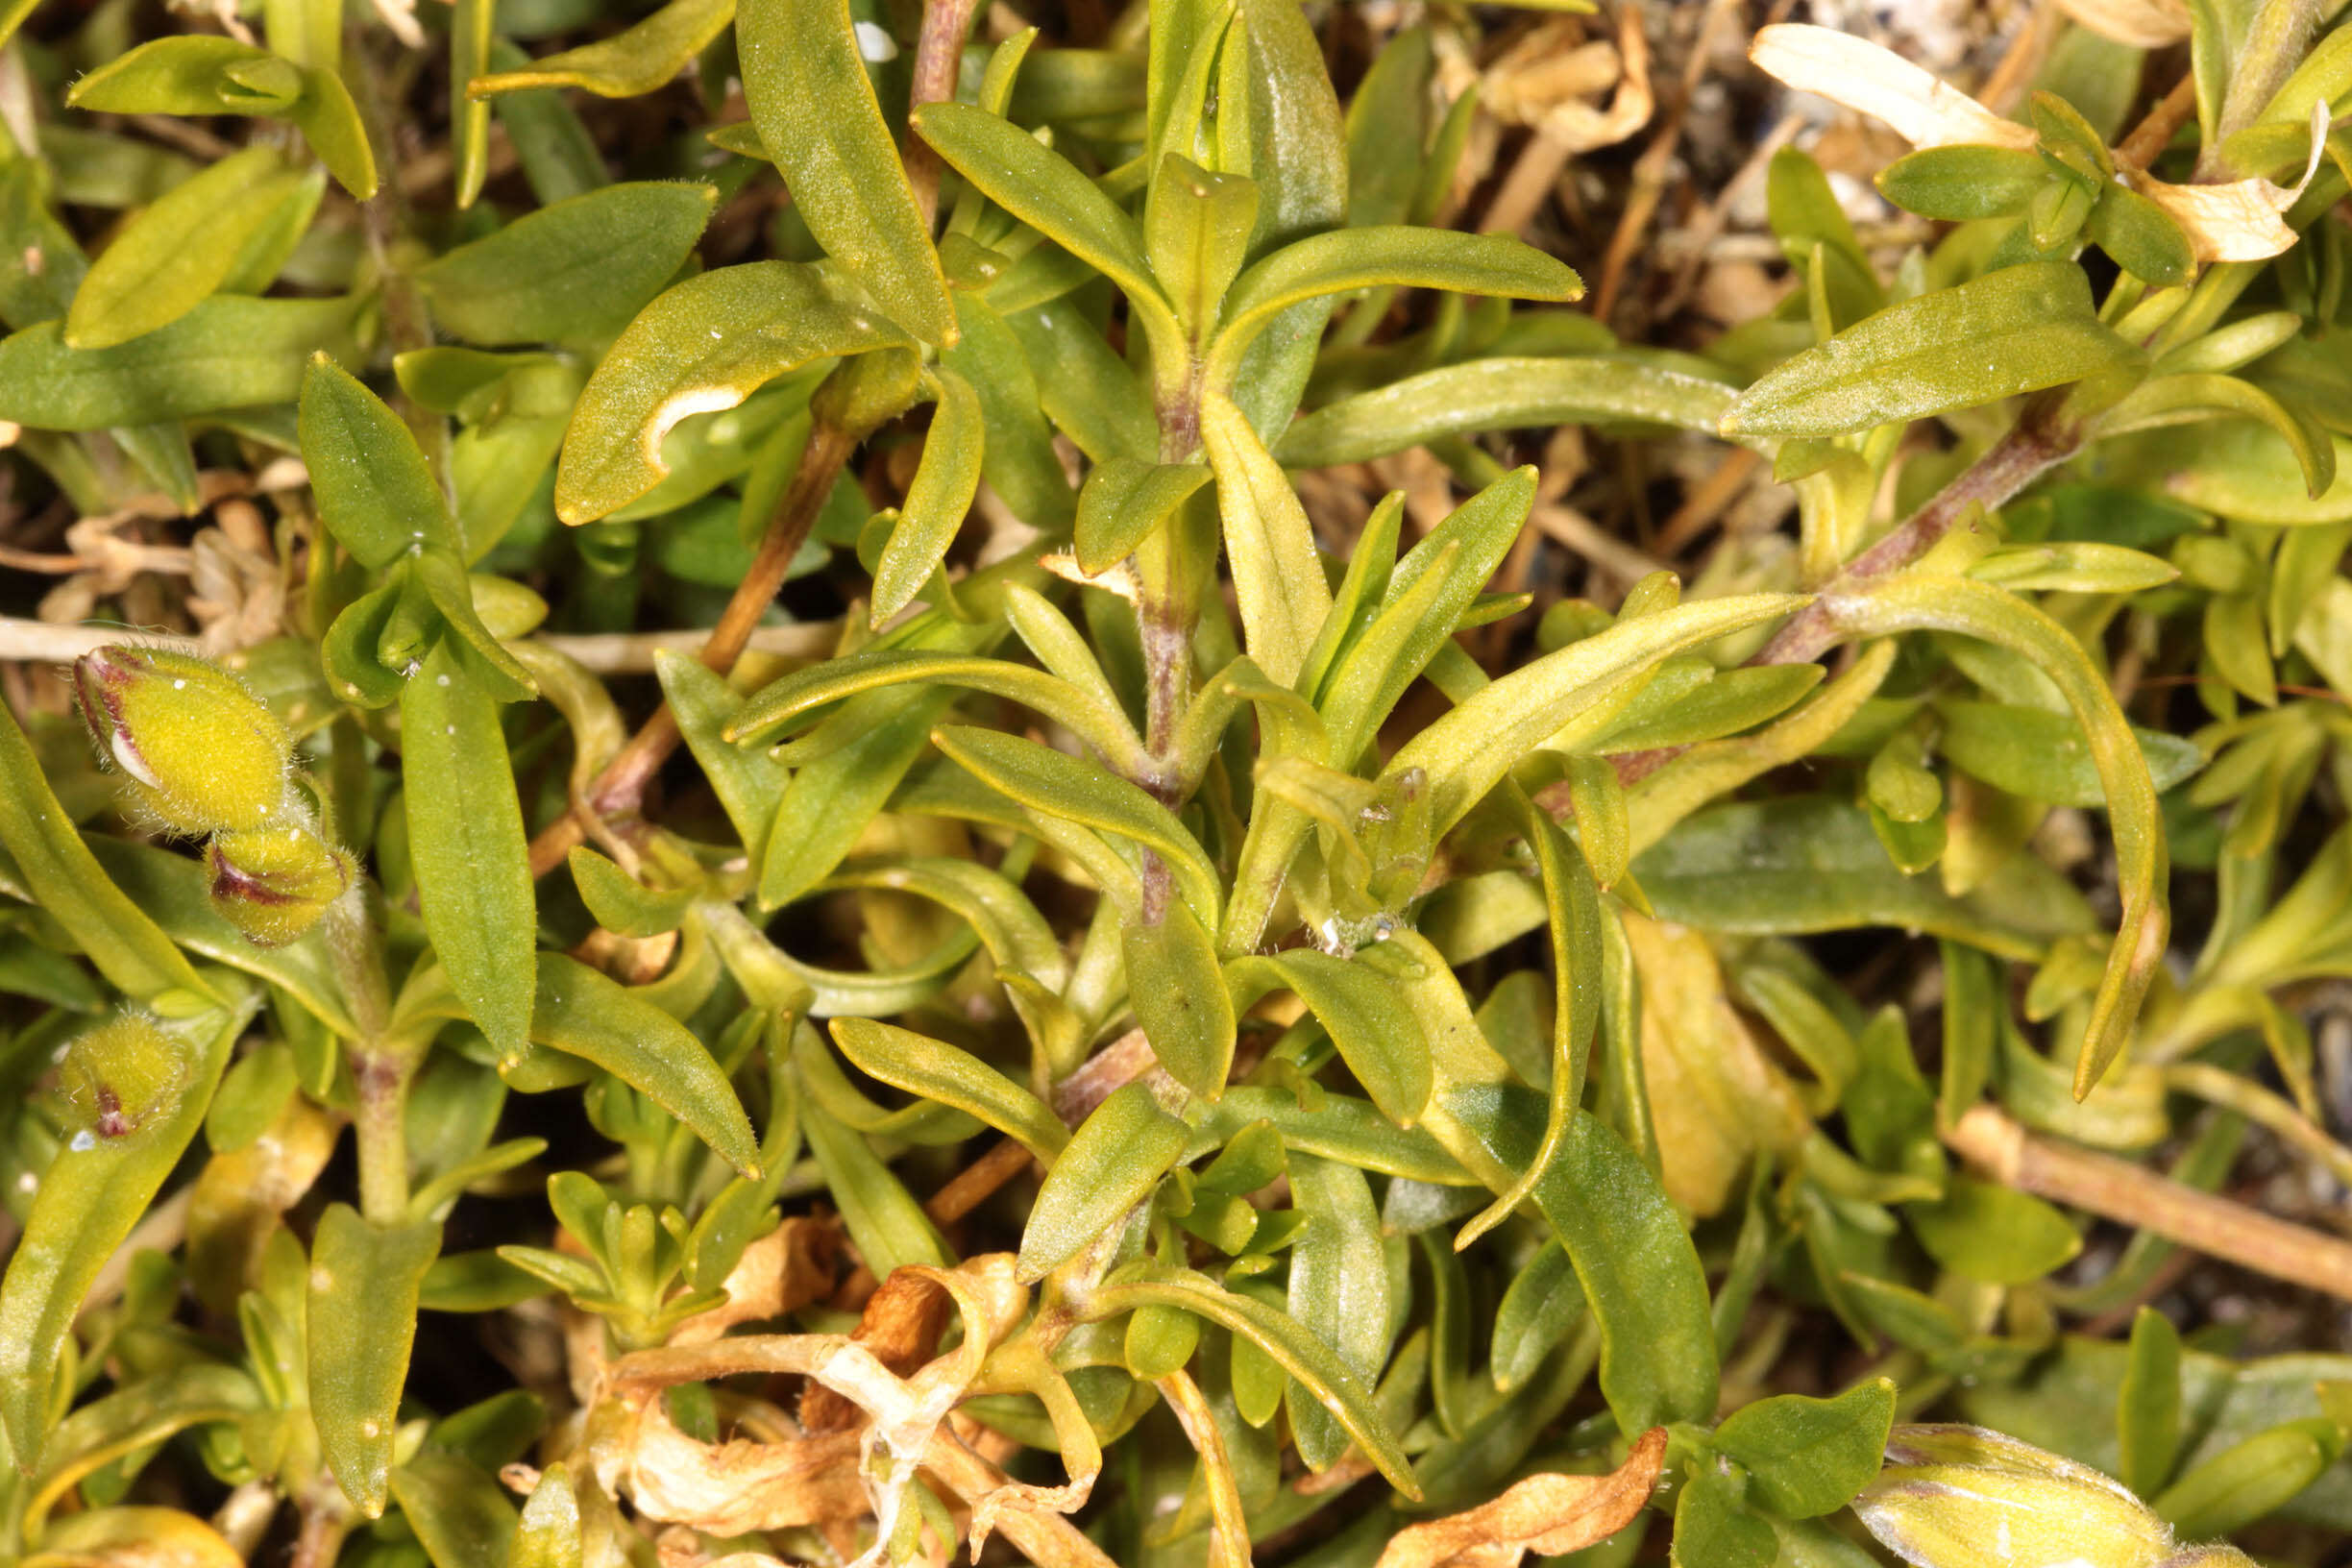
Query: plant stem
[[379, 1067], [620, 788], [2038, 440], [2118, 1190], [938, 53]]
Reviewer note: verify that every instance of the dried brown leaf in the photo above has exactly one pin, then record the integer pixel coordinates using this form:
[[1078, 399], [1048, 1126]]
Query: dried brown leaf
[[1548, 1514]]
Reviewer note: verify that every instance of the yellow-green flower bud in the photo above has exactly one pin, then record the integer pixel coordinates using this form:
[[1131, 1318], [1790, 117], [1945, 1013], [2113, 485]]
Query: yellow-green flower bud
[[273, 885], [1961, 1497], [119, 1075], [197, 751]]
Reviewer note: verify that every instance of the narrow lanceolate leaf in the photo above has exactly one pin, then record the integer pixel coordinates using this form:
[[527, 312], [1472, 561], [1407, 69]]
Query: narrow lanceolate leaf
[[364, 1282], [374, 492], [1116, 1156], [227, 353], [1639, 1270], [177, 251], [937, 1071], [633, 61], [2018, 329], [1918, 601], [1124, 501], [568, 271], [585, 1013], [702, 346], [1045, 192], [1338, 1290], [1394, 255], [1467, 754], [1376, 1032], [1501, 394], [465, 830], [92, 1196], [1072, 789], [1180, 1000], [805, 81], [1810, 1457], [1278, 576], [940, 494]]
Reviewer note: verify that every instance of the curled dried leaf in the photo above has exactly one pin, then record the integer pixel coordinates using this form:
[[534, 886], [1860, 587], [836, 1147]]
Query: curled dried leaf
[[2141, 24], [1547, 1514]]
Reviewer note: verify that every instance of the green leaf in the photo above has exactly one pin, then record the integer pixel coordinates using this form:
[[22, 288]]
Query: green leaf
[[1338, 1290], [363, 1286], [1960, 183], [2043, 755], [465, 832], [938, 498], [229, 352], [1017, 457], [830, 802], [1072, 789], [2170, 400], [1497, 265], [1045, 192], [1376, 1034], [1466, 752], [470, 24], [1102, 726], [749, 783], [1811, 863], [2141, 239], [1114, 1160], [622, 904], [93, 1194], [1543, 1302], [549, 1533], [585, 1013], [569, 272], [1635, 1261], [1180, 999], [194, 74], [177, 251], [329, 121], [374, 492], [1427, 595], [806, 85], [1810, 1457], [638, 60], [56, 870], [1995, 1234], [1196, 229], [2148, 1404], [1714, 1528], [458, 1510], [2259, 1474], [1918, 601], [936, 1071], [704, 345], [2018, 329], [1272, 1330], [1124, 501], [1502, 394], [1278, 576], [886, 1226]]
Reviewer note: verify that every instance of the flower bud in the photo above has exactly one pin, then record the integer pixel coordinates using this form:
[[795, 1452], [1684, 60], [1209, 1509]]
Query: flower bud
[[273, 885], [119, 1075], [196, 750], [1961, 1497]]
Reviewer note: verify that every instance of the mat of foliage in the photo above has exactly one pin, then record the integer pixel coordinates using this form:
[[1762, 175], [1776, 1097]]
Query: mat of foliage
[[883, 700]]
